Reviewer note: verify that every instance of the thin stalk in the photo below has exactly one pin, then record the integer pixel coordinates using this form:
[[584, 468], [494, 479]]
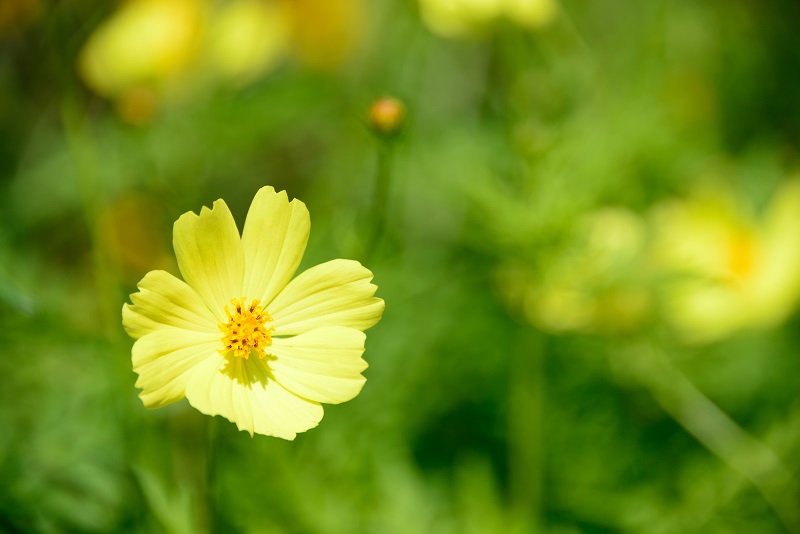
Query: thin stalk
[[210, 496], [526, 410], [785, 436], [380, 201], [715, 429]]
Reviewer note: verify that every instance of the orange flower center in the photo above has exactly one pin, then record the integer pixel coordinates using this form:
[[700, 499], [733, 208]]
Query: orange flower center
[[245, 330]]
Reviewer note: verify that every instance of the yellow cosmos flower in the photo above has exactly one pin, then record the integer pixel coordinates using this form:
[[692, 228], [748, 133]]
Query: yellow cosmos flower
[[154, 52], [325, 33], [145, 43], [247, 38], [453, 18], [730, 269], [594, 284], [239, 337]]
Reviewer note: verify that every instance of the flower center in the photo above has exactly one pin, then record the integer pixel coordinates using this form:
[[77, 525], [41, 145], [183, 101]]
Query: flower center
[[245, 330], [741, 255]]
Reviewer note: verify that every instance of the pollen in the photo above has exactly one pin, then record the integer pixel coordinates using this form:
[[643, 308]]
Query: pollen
[[246, 329]]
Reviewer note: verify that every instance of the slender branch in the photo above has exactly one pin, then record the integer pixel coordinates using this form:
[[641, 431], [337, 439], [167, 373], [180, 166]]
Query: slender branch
[[720, 434], [380, 202], [526, 422]]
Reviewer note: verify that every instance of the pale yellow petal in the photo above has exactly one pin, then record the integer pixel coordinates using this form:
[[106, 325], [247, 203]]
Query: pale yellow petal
[[323, 365], [246, 393], [533, 14], [702, 311], [210, 257], [247, 38], [165, 358], [774, 290], [335, 293], [447, 17], [164, 300], [274, 239], [145, 42]]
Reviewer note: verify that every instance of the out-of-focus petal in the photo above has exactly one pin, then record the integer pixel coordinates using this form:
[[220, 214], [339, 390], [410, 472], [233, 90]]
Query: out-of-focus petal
[[326, 33], [776, 288], [247, 38], [532, 14], [702, 311], [146, 42]]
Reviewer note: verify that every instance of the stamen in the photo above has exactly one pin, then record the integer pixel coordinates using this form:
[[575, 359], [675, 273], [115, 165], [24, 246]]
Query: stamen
[[245, 330]]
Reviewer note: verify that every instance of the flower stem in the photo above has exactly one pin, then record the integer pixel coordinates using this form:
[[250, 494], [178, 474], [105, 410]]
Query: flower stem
[[715, 429], [526, 410], [380, 201], [210, 497]]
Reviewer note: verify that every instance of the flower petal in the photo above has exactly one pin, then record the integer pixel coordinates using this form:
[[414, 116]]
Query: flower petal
[[165, 300], [335, 293], [246, 393], [323, 365], [775, 287], [210, 257], [165, 358], [274, 240]]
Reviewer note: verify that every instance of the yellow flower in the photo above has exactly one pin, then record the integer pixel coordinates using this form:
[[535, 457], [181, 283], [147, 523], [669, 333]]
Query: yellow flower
[[452, 18], [728, 269], [594, 284], [144, 44], [325, 33], [240, 338], [247, 38], [152, 53]]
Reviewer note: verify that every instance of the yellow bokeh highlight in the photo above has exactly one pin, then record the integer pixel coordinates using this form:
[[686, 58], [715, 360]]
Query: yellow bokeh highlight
[[248, 38], [592, 284], [149, 43], [726, 268], [325, 33], [152, 52], [453, 18]]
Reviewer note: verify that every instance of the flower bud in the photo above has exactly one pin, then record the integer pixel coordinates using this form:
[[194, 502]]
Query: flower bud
[[387, 116]]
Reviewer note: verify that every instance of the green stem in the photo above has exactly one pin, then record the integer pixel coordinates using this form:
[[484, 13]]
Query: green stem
[[210, 496], [786, 437], [380, 202], [720, 434], [526, 409]]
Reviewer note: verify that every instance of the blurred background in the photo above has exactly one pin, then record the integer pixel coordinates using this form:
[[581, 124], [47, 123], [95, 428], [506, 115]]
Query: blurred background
[[591, 260]]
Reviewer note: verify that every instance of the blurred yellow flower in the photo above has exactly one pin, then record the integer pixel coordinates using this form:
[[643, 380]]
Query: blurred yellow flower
[[452, 18], [727, 268], [146, 43], [326, 32], [248, 38], [240, 338], [149, 51], [594, 284]]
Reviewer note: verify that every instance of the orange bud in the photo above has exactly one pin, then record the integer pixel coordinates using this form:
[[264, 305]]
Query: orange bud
[[387, 116]]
